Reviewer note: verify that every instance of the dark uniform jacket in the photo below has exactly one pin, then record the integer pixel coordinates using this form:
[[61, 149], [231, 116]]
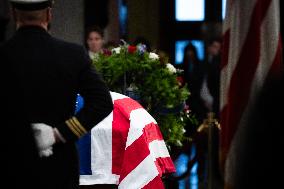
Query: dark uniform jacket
[[19, 153], [51, 73]]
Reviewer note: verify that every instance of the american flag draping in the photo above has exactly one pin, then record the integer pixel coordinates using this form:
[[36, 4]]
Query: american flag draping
[[251, 56], [126, 148]]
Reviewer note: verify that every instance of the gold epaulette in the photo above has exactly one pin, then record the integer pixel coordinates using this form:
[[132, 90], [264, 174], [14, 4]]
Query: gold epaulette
[[76, 127]]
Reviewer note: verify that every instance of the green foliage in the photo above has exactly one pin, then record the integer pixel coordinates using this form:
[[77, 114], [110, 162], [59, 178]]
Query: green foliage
[[132, 68]]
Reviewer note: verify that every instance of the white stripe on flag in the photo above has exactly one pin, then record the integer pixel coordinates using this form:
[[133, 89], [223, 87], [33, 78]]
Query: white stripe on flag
[[101, 155], [144, 175], [139, 118], [158, 149], [117, 96]]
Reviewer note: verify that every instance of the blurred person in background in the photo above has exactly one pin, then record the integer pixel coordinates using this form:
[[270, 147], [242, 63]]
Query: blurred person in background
[[94, 41]]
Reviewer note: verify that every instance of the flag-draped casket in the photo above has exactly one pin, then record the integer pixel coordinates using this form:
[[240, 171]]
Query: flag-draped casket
[[126, 148]]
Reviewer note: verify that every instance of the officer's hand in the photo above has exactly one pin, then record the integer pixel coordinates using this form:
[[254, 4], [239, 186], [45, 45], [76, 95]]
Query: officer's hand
[[44, 137], [45, 153]]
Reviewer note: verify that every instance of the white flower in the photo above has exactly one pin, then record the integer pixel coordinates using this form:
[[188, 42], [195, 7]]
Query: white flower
[[116, 50], [153, 56], [94, 56], [171, 68]]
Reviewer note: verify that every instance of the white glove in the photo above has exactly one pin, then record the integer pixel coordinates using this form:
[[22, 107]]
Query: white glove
[[44, 137], [45, 153]]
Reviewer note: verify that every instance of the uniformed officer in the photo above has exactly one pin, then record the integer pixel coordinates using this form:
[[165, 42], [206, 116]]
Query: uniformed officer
[[51, 73]]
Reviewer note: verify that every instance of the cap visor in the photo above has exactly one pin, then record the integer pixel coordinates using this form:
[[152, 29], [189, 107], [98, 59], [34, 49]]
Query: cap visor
[[31, 6]]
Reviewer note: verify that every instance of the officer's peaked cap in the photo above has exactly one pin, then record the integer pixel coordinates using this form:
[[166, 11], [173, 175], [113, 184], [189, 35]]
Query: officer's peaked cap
[[30, 5]]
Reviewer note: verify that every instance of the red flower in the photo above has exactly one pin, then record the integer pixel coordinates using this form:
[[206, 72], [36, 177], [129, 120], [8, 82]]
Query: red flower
[[131, 49], [107, 52], [180, 81]]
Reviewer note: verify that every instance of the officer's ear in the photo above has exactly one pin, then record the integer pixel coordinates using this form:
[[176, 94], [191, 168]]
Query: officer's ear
[[48, 15]]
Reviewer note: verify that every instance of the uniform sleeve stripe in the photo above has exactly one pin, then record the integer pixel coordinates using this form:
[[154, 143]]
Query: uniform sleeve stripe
[[79, 126], [75, 126], [69, 124]]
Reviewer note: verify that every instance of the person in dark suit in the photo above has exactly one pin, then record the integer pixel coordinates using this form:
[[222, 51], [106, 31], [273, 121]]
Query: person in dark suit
[[51, 73], [212, 71], [193, 75]]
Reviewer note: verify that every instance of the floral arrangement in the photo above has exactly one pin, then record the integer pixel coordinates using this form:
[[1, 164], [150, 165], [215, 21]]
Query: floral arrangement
[[153, 82]]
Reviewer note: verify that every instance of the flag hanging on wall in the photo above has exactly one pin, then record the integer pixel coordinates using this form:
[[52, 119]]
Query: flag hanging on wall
[[252, 53]]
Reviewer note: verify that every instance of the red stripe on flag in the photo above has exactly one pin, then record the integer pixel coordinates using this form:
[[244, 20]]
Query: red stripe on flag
[[165, 165], [152, 132], [120, 128], [139, 150], [133, 156], [156, 183], [127, 105], [242, 77]]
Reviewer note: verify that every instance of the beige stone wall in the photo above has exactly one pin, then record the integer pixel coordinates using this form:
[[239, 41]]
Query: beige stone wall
[[68, 20], [112, 29]]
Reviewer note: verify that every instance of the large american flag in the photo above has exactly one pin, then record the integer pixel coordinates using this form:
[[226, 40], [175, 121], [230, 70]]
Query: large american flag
[[126, 148], [251, 56]]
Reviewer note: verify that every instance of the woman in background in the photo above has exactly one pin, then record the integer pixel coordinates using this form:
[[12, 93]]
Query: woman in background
[[94, 41]]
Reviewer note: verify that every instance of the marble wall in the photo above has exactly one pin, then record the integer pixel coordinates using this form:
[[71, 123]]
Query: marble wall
[[68, 20]]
